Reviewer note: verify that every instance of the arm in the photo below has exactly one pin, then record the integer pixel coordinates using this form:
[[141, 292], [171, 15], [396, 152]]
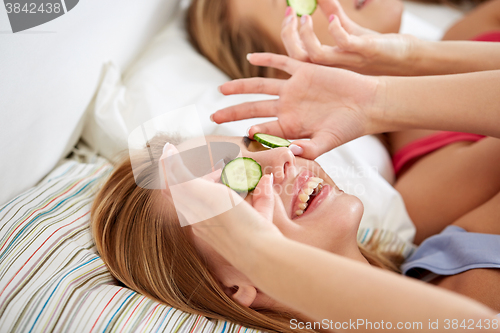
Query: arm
[[454, 57], [322, 285], [463, 102], [318, 284], [369, 52], [332, 106]]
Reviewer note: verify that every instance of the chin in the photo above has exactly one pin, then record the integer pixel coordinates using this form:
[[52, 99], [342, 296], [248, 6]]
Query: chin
[[392, 13], [395, 12]]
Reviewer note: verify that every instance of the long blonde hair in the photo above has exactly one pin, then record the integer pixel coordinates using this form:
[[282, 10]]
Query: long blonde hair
[[139, 238], [226, 44]]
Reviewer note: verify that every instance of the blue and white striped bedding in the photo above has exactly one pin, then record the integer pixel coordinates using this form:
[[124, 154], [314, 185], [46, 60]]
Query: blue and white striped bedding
[[51, 278]]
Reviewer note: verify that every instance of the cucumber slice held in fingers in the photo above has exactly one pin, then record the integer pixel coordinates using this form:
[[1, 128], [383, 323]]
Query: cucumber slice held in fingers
[[303, 7], [242, 174], [271, 141]]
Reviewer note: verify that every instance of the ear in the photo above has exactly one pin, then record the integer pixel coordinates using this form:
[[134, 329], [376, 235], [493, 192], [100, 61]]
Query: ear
[[244, 295]]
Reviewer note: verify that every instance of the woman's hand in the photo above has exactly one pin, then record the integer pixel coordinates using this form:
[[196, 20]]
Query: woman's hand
[[358, 49], [221, 217], [328, 105]]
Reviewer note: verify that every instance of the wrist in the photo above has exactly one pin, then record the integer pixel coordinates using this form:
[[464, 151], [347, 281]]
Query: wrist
[[377, 114], [412, 55]]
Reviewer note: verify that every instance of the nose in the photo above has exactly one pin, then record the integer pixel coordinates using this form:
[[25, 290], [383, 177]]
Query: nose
[[278, 161]]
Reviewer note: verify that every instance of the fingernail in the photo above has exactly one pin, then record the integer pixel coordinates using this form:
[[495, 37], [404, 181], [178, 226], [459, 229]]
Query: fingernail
[[303, 19], [166, 147], [288, 10], [288, 20], [296, 150], [332, 17], [248, 131], [271, 180], [248, 56], [212, 118], [219, 89]]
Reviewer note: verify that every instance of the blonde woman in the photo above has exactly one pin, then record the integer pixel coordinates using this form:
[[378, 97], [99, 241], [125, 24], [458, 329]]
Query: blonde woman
[[226, 31], [272, 264], [139, 237]]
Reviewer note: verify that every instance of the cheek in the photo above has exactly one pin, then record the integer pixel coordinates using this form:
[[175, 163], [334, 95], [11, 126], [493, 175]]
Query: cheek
[[346, 213], [333, 231], [383, 16]]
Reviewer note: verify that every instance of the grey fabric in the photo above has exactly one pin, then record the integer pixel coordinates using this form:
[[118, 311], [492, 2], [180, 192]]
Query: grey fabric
[[453, 251]]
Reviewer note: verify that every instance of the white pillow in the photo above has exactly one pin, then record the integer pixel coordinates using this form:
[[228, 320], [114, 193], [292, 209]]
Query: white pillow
[[49, 75]]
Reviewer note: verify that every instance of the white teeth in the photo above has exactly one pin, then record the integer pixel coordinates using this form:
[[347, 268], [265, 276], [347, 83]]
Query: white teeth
[[303, 205], [309, 190], [303, 197], [312, 184], [304, 194]]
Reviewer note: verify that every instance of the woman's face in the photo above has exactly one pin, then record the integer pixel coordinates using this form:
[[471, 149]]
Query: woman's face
[[328, 220], [383, 16]]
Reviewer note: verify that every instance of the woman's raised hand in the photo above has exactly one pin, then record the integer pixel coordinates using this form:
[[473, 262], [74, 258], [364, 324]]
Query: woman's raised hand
[[221, 218], [358, 49], [330, 106]]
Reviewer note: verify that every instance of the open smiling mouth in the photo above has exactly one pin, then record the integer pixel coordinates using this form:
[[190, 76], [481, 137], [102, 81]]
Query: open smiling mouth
[[311, 189]]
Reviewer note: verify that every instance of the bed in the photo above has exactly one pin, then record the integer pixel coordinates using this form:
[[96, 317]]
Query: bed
[[65, 120]]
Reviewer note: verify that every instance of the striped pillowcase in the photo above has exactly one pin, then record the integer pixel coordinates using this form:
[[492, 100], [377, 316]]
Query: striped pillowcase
[[52, 279]]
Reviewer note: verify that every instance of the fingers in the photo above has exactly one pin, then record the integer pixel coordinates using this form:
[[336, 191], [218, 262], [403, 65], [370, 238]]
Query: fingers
[[257, 85], [277, 61], [263, 197], [246, 111], [317, 146], [272, 128], [291, 38], [172, 167], [344, 40], [311, 42], [328, 55], [213, 176], [333, 7]]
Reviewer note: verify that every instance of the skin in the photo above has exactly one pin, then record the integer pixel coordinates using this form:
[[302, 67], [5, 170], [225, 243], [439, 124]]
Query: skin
[[449, 185], [426, 185], [471, 209], [332, 226], [248, 295], [380, 15]]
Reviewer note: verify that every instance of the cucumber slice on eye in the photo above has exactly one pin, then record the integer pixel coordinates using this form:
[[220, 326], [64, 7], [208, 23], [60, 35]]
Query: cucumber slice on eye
[[271, 141], [303, 7], [242, 174]]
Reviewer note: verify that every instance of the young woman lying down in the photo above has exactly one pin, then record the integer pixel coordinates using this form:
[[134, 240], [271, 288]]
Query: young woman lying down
[[139, 237]]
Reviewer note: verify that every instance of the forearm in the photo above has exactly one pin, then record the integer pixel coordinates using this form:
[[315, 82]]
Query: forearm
[[322, 285], [453, 57], [462, 102]]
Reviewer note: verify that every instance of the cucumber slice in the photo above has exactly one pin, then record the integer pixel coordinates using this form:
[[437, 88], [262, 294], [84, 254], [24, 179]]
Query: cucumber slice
[[271, 141], [303, 7], [242, 174]]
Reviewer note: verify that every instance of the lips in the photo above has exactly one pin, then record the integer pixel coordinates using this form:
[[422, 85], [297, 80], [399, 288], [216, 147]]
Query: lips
[[306, 189]]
